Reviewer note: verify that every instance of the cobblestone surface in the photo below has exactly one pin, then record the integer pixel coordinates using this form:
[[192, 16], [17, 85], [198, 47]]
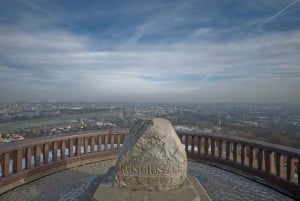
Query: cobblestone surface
[[71, 184], [65, 185], [222, 185]]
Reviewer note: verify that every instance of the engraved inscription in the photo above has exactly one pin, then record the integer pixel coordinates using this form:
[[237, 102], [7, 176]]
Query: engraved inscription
[[151, 169]]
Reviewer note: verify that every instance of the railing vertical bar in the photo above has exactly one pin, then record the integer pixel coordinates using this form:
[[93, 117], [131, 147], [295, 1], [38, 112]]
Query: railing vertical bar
[[199, 144], [213, 146], [290, 168], [269, 161], [279, 165], [243, 151], [118, 141], [70, 148], [193, 143], [63, 150], [251, 156], [92, 144], [99, 142], [227, 150], [186, 141], [37, 155], [78, 146], [112, 141], [54, 151], [206, 145], [220, 147], [234, 152], [17, 160], [46, 153], [298, 171], [186, 138], [260, 159], [5, 164], [28, 158], [86, 145], [105, 142]]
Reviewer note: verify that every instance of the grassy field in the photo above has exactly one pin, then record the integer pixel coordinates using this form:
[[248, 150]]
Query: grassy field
[[58, 120]]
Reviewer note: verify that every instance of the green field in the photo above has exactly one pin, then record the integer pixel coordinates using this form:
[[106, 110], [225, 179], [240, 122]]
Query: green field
[[58, 120]]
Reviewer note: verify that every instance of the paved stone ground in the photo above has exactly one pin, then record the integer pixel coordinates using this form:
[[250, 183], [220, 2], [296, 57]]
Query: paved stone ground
[[73, 184], [222, 185]]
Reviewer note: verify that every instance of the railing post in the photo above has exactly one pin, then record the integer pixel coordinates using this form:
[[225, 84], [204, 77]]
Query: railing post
[[279, 165], [92, 144], [99, 143], [112, 141], [46, 153], [118, 141], [54, 151], [234, 152], [186, 141], [220, 148], [199, 144], [70, 148], [63, 150], [28, 158], [17, 161], [37, 156], [5, 164], [78, 146], [212, 142], [86, 145], [251, 156], [260, 159], [206, 145], [298, 171], [290, 168], [193, 144], [243, 150], [227, 150], [269, 161], [105, 142]]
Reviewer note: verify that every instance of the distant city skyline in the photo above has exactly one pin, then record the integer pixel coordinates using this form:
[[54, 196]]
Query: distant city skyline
[[150, 51]]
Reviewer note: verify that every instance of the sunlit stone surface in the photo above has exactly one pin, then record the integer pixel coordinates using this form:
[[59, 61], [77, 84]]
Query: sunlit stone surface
[[152, 157]]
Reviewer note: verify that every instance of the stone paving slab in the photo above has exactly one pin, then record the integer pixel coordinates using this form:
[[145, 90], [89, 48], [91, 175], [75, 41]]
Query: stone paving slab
[[191, 190], [73, 184]]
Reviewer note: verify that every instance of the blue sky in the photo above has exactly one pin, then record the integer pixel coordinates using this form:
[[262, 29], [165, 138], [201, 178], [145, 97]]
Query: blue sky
[[170, 51]]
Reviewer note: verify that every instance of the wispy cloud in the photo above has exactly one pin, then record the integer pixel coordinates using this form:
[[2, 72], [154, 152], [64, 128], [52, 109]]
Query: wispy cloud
[[157, 61], [274, 16]]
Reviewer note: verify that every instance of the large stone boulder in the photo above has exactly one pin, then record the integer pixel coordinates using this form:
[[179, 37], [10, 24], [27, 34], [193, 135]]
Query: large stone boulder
[[152, 157]]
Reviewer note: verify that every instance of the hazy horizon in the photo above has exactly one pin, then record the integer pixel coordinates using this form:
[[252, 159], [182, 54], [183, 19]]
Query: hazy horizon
[[158, 51]]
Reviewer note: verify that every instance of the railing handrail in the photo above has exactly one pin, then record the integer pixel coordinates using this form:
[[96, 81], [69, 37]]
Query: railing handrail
[[240, 140], [8, 147]]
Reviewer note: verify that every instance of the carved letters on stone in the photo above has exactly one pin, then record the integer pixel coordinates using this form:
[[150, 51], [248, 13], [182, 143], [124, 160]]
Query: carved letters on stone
[[151, 169], [152, 157]]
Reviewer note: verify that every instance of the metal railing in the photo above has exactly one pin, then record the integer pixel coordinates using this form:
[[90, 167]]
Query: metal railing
[[24, 161], [27, 160], [274, 165]]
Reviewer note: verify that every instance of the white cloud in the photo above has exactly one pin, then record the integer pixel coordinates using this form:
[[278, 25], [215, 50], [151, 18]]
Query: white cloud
[[47, 63]]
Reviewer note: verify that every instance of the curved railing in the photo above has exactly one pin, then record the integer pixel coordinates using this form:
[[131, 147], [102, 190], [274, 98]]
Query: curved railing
[[274, 165], [27, 160]]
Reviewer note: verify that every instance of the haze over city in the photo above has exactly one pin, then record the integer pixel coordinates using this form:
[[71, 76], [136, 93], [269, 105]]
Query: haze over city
[[168, 51]]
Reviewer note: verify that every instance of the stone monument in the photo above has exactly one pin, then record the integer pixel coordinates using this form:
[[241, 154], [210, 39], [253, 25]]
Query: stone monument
[[151, 158], [152, 166]]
